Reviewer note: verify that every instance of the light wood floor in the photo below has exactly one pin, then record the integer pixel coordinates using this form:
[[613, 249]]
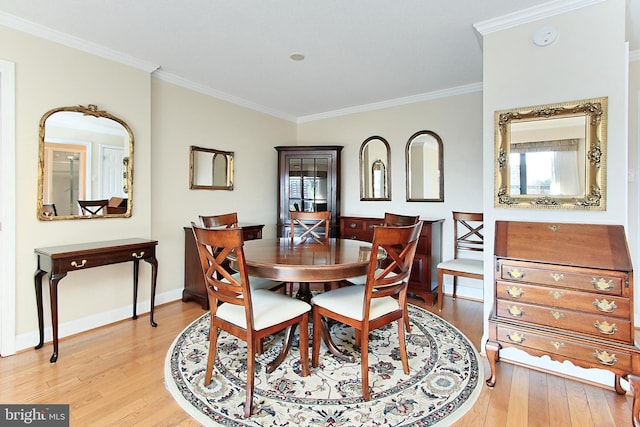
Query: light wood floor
[[114, 376]]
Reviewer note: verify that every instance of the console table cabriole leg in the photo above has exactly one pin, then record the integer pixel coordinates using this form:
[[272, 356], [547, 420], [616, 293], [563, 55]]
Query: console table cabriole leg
[[53, 295], [493, 355], [136, 266], [634, 384], [154, 276], [38, 284]]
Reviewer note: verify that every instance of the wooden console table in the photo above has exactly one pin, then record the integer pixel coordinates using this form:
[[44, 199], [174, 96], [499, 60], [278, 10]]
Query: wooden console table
[[194, 286], [57, 261]]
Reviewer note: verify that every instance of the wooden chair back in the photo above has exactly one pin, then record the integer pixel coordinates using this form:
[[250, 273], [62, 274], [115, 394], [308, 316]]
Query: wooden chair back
[[314, 225], [468, 232], [229, 220], [93, 207], [397, 219]]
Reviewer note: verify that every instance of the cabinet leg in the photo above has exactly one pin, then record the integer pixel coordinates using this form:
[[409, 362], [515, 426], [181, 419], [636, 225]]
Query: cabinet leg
[[492, 349], [634, 382]]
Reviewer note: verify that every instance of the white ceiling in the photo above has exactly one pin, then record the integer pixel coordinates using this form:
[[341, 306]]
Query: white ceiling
[[359, 53]]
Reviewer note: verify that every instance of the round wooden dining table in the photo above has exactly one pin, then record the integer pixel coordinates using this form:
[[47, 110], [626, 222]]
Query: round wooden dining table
[[282, 259], [286, 260]]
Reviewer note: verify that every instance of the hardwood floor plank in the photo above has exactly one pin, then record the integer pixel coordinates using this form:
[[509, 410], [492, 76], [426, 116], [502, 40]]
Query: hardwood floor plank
[[114, 375]]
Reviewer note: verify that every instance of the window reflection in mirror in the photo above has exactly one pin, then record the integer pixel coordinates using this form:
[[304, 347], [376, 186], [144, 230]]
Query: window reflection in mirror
[[375, 159], [210, 169], [552, 156], [85, 154], [424, 166]]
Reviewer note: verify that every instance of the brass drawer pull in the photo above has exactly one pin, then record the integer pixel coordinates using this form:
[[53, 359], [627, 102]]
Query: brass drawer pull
[[515, 311], [605, 306], [371, 226], [557, 315], [605, 358], [515, 274], [516, 337], [76, 265], [557, 276], [352, 225], [602, 284], [135, 255], [557, 345], [514, 292], [606, 328], [556, 294]]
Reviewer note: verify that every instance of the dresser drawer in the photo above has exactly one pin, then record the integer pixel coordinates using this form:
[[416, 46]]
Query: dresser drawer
[[603, 327], [91, 259], [601, 281], [587, 302], [359, 228], [593, 355]]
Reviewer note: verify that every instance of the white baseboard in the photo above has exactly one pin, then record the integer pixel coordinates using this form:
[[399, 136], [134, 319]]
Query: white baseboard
[[30, 339]]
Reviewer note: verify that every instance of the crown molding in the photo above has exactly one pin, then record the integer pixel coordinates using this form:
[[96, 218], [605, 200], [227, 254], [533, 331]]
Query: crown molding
[[429, 96], [531, 14], [47, 33], [206, 90]]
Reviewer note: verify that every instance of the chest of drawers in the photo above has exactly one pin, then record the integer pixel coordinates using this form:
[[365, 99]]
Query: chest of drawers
[[565, 291], [424, 276]]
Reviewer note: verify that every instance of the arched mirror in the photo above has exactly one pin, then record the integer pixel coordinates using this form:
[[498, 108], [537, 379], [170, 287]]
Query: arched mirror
[[552, 156], [425, 173], [375, 161], [85, 166], [210, 169]]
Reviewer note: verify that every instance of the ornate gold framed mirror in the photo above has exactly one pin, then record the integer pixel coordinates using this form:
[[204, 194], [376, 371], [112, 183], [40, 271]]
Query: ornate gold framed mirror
[[424, 167], [375, 163], [552, 156], [85, 159], [210, 169]]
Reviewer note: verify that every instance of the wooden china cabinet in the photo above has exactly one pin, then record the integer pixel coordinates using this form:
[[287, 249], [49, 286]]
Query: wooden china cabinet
[[308, 180], [565, 291]]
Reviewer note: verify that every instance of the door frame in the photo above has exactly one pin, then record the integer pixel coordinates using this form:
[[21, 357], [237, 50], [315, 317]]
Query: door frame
[[7, 209]]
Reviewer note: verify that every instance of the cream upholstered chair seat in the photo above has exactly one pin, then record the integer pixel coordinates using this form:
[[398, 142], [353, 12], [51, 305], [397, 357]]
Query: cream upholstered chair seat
[[464, 265], [269, 308], [348, 302]]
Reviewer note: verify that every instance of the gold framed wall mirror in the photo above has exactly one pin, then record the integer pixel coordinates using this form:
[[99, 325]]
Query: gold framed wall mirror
[[424, 167], [85, 155], [552, 156], [375, 164], [210, 169]]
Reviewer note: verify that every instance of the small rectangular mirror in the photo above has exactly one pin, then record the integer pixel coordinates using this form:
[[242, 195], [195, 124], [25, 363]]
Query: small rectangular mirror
[[210, 169]]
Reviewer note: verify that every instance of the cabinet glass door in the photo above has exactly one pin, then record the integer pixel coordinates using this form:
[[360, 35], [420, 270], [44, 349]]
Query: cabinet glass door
[[308, 184]]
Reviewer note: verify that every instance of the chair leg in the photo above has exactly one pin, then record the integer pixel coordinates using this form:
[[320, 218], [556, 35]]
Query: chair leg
[[455, 286], [403, 347], [251, 355], [213, 346], [440, 289], [317, 333], [364, 363], [407, 325], [304, 344]]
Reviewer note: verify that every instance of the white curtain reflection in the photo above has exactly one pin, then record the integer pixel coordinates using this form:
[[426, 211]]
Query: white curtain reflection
[[565, 175]]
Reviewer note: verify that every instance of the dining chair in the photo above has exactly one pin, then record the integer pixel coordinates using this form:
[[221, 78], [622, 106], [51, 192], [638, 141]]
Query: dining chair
[[240, 310], [390, 220], [468, 238], [49, 209], [230, 220], [381, 301], [305, 225], [93, 207]]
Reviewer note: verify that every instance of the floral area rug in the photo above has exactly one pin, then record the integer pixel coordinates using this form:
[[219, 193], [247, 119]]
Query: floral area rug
[[445, 379]]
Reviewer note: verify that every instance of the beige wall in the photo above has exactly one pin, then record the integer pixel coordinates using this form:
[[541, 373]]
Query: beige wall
[[587, 61], [49, 75], [182, 118], [456, 119]]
